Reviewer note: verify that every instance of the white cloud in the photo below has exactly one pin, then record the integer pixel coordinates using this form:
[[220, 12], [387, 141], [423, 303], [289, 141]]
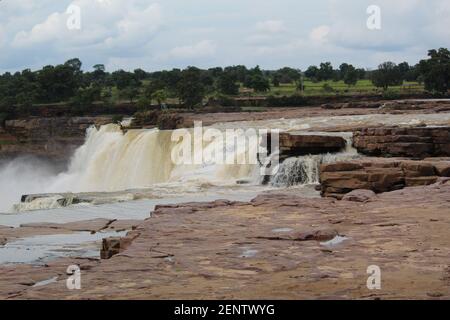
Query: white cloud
[[203, 48], [171, 33]]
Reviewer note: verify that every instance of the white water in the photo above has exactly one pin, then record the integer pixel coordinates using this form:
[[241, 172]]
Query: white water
[[110, 160]]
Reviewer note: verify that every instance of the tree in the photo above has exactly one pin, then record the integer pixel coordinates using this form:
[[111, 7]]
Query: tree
[[190, 89], [160, 96], [349, 74], [403, 69], [325, 71], [84, 98], [435, 71], [312, 73], [59, 83], [257, 81], [226, 83], [151, 87], [276, 79], [361, 73], [287, 75], [387, 75], [140, 74], [129, 92], [99, 75]]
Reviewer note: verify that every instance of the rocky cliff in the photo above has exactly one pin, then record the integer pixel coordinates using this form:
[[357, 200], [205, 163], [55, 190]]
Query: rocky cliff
[[380, 175], [418, 142], [50, 138]]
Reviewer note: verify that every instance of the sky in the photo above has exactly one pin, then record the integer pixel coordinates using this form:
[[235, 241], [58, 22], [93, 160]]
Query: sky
[[165, 34]]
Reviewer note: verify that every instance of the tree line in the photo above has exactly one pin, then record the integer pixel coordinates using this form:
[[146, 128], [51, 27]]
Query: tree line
[[70, 84]]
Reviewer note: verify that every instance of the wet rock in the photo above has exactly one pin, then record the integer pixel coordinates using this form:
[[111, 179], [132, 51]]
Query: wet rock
[[94, 225], [296, 144], [3, 241], [114, 245], [110, 247], [359, 195]]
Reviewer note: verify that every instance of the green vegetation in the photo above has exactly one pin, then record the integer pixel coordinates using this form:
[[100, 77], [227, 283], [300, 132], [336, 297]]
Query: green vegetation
[[69, 84]]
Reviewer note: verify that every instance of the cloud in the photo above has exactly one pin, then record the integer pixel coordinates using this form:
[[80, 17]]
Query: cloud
[[203, 48], [319, 34], [271, 26], [155, 34]]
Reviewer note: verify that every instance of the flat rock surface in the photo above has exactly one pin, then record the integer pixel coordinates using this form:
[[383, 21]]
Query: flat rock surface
[[275, 247]]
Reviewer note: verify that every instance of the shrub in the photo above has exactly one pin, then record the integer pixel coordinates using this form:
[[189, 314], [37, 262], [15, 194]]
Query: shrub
[[390, 95], [327, 88], [117, 118], [286, 101]]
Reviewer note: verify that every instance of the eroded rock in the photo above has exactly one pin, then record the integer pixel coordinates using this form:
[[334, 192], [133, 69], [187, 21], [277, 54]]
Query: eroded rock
[[416, 142], [378, 175]]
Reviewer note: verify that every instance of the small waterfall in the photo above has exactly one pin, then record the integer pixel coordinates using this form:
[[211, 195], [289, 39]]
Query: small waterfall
[[306, 169]]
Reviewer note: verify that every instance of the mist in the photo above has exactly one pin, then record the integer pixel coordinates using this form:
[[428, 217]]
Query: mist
[[21, 176]]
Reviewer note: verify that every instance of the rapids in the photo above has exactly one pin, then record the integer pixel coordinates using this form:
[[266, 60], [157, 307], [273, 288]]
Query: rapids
[[111, 160]]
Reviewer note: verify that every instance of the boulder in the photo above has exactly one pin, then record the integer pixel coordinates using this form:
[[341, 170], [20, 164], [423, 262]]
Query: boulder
[[442, 169], [3, 241], [115, 245]]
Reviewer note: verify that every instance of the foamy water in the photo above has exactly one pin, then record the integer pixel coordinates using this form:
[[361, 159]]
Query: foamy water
[[110, 160]]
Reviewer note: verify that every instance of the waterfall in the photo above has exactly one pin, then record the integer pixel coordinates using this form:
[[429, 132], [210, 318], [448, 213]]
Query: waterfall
[[111, 160], [306, 169]]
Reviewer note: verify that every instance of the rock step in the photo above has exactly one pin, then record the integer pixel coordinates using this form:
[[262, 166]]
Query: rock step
[[379, 175], [294, 144], [418, 142]]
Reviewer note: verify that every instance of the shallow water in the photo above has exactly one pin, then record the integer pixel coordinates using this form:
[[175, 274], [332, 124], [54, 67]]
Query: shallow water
[[40, 249], [130, 210]]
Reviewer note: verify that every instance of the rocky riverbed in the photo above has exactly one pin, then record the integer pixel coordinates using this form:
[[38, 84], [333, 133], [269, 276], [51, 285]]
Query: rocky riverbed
[[385, 196], [279, 245]]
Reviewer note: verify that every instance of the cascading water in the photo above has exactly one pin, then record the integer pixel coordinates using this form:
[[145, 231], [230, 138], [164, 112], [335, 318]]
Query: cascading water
[[306, 169], [111, 160]]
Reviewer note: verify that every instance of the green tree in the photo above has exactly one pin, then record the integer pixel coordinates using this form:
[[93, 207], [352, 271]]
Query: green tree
[[349, 74], [387, 75], [257, 81], [153, 86], [160, 96], [435, 71], [226, 83], [190, 89], [129, 93], [312, 73], [325, 71]]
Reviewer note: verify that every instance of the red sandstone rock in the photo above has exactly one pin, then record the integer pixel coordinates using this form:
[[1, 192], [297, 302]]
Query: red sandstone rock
[[218, 253], [379, 175], [418, 142], [359, 195]]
